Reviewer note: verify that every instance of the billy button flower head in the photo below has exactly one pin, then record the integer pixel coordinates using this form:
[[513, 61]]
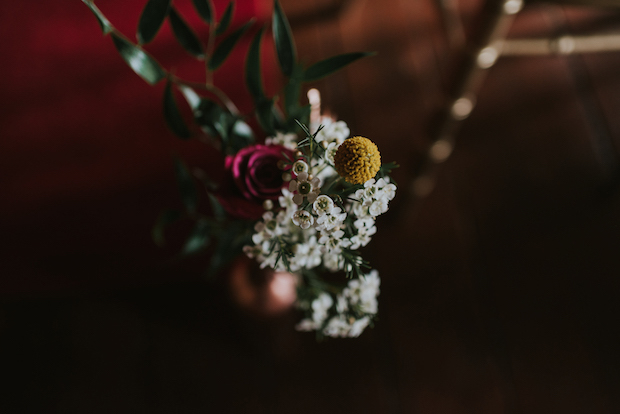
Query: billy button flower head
[[357, 160]]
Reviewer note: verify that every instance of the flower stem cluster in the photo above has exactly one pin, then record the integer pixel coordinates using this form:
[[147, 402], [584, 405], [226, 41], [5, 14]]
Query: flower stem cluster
[[320, 224], [288, 187]]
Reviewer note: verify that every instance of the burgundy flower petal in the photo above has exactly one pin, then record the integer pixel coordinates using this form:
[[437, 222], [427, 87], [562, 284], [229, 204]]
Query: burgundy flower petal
[[256, 176]]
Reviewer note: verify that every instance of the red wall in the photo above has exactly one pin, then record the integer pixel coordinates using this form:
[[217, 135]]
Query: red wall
[[85, 156]]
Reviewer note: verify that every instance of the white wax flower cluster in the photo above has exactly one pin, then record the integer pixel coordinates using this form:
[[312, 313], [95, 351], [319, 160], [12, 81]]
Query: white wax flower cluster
[[349, 313], [312, 229]]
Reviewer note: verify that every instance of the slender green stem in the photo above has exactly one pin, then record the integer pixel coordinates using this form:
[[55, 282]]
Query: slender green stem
[[322, 168], [332, 185], [214, 90]]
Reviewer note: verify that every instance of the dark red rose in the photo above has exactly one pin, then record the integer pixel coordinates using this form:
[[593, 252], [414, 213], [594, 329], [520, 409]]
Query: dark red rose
[[256, 176]]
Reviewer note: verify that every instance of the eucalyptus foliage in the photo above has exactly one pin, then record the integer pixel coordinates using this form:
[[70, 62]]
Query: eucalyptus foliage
[[214, 113]]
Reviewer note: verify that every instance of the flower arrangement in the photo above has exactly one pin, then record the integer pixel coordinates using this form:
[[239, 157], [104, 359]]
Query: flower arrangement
[[300, 195]]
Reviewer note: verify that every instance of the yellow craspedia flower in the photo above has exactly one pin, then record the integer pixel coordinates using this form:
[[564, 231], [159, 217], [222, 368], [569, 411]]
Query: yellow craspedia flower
[[357, 160]]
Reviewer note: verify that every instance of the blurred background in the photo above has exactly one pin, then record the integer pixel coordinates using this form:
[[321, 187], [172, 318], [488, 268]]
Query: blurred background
[[499, 256]]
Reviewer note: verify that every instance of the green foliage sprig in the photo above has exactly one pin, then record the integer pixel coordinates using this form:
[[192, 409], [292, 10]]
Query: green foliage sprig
[[213, 112], [156, 12]]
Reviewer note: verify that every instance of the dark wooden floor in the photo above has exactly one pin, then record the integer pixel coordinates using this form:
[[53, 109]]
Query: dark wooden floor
[[500, 289]]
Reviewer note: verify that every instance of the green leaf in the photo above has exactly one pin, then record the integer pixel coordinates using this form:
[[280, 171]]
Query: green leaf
[[243, 130], [241, 136], [226, 19], [253, 77], [226, 46], [283, 39], [300, 114], [199, 238], [165, 218], [192, 98], [264, 114], [106, 26], [205, 111], [186, 185], [141, 62], [216, 121], [305, 129], [292, 90], [172, 115], [213, 118], [204, 9], [386, 170], [216, 206], [185, 35], [151, 19], [330, 65], [279, 123]]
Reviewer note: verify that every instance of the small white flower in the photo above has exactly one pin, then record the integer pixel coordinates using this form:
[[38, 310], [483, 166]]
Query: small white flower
[[358, 327], [378, 207], [252, 251], [331, 221], [268, 228], [370, 183], [323, 120], [337, 327], [361, 224], [333, 262], [333, 131], [286, 140], [300, 166], [306, 325], [360, 210], [303, 219], [389, 191], [360, 240], [372, 280], [333, 242], [286, 201], [369, 304], [304, 187], [282, 217], [271, 224], [340, 215], [258, 238], [342, 305], [320, 307], [308, 254], [371, 190], [363, 292], [323, 205], [330, 152]]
